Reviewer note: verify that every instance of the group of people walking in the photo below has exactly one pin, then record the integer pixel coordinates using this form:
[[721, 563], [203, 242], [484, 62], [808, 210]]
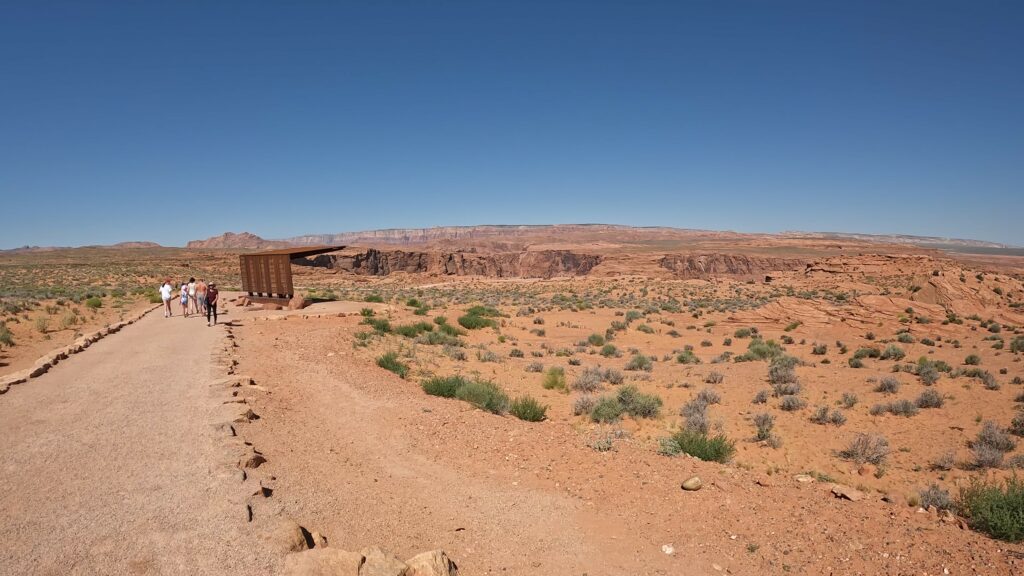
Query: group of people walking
[[196, 297]]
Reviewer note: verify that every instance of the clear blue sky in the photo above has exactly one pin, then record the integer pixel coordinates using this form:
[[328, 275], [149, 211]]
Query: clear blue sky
[[169, 121]]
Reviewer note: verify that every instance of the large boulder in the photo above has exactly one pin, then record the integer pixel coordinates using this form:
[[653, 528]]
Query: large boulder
[[379, 563], [432, 563], [297, 303], [323, 562]]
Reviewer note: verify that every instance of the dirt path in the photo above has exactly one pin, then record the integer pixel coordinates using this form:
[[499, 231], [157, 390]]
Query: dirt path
[[109, 463]]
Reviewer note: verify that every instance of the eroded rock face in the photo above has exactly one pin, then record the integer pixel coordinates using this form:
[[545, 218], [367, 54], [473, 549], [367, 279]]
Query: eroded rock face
[[703, 265], [530, 264]]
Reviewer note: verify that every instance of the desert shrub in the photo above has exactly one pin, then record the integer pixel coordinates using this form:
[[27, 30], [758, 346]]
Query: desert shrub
[[606, 409], [485, 395], [987, 457], [888, 385], [528, 409], [534, 367], [438, 339], [764, 422], [993, 435], [791, 326], [554, 379], [1017, 344], [609, 351], [837, 418], [820, 415], [390, 361], [444, 386], [583, 405], [878, 409], [380, 325], [996, 510], [761, 397], [714, 378], [708, 396], [742, 333], [928, 374], [454, 352], [687, 357], [849, 400], [1017, 425], [782, 371], [695, 413], [613, 376], [867, 449], [42, 324], [6, 337], [516, 353], [903, 408], [820, 349], [589, 380], [413, 330], [487, 356], [708, 448], [595, 340], [637, 404], [893, 352], [929, 399], [855, 362], [790, 403], [450, 330], [366, 312], [374, 298], [905, 338], [944, 462], [93, 302], [867, 352], [632, 315], [935, 497], [760, 349], [639, 362], [972, 360], [645, 329], [475, 322]]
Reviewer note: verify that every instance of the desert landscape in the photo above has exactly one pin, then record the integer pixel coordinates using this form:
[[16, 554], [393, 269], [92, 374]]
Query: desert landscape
[[575, 399], [511, 288]]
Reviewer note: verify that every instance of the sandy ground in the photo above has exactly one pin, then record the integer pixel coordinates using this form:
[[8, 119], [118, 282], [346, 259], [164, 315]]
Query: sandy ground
[[109, 463], [367, 458]]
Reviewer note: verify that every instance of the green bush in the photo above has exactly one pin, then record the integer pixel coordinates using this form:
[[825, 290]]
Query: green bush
[[413, 330], [379, 324], [596, 340], [892, 352], [450, 330], [972, 360], [446, 387], [439, 339], [374, 298], [485, 395], [554, 379], [484, 311], [1017, 344], [526, 408], [742, 333], [687, 357], [995, 510], [640, 362], [708, 448], [760, 349], [609, 351], [476, 322], [606, 410], [93, 302], [637, 404], [366, 312], [391, 362]]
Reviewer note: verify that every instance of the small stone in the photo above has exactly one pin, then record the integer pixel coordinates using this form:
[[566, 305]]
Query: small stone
[[692, 484], [852, 494], [253, 460], [668, 549], [285, 536], [804, 478]]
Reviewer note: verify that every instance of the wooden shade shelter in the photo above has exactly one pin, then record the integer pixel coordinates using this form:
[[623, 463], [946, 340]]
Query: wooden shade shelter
[[269, 273]]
